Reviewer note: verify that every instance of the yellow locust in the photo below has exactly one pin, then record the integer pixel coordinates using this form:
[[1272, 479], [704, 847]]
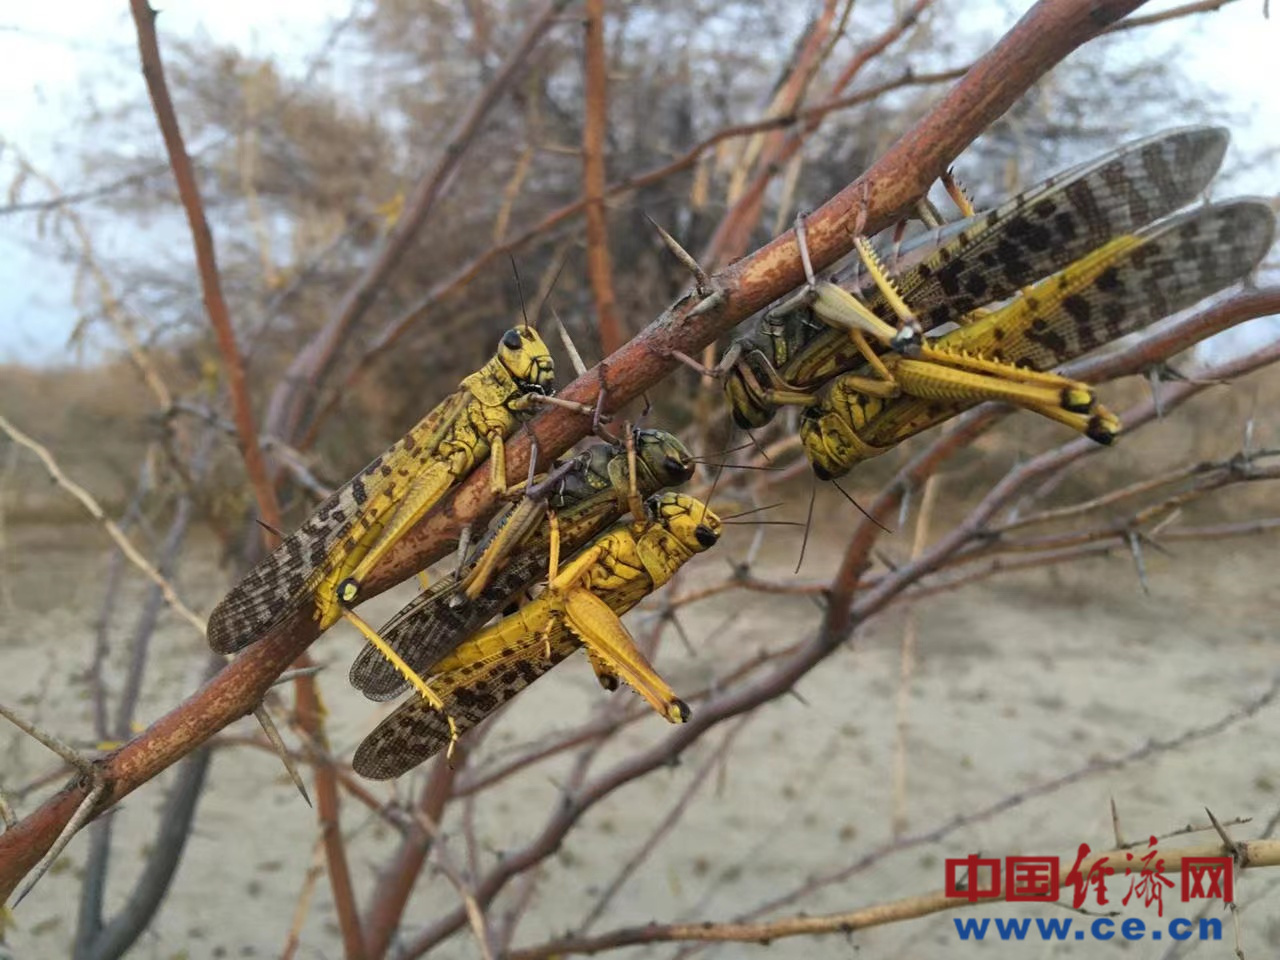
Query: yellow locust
[[1120, 287], [799, 346], [591, 493], [324, 562], [580, 607]]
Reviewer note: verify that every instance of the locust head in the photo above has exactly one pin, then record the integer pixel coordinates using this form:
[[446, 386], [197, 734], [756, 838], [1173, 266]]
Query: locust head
[[664, 457], [527, 359], [689, 520], [828, 441], [829, 431]]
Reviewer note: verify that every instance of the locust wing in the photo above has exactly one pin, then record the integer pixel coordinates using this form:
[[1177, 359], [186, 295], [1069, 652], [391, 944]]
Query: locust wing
[[428, 628], [1116, 290], [474, 681], [289, 577], [481, 675], [989, 257]]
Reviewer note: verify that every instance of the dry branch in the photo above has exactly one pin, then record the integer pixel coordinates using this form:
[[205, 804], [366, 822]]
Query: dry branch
[[290, 400], [1250, 853]]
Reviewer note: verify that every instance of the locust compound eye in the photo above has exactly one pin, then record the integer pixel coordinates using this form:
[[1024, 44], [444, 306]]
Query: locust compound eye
[[511, 339], [822, 473], [707, 538], [675, 465]]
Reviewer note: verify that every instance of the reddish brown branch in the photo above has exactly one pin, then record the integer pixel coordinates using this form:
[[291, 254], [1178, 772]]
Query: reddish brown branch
[[1186, 10], [1048, 32], [743, 698], [395, 885], [462, 278], [595, 124], [206, 259]]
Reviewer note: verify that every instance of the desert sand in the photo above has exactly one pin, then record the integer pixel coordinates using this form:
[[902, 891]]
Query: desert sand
[[1020, 680]]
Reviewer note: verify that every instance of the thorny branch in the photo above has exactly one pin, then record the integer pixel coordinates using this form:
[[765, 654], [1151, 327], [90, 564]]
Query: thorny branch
[[1251, 853], [310, 711], [290, 401]]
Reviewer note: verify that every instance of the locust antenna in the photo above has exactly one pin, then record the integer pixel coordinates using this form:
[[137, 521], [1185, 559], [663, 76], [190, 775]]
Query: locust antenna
[[712, 492], [808, 521], [728, 450], [756, 443], [550, 288], [520, 292], [739, 466], [680, 632], [747, 513], [857, 506]]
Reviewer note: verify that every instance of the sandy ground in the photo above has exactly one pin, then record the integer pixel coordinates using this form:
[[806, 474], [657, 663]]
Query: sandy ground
[[1020, 680]]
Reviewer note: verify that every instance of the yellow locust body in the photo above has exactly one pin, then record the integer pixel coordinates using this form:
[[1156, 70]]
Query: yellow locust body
[[999, 355], [325, 560], [580, 607], [589, 495], [984, 259]]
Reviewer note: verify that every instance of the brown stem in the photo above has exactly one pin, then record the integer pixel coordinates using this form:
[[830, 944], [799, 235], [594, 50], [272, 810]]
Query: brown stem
[[461, 279], [206, 259], [1251, 853], [395, 885], [734, 232], [595, 124]]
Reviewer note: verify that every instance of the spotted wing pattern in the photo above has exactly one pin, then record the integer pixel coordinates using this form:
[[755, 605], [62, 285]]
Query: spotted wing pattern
[[1116, 290], [586, 502], [428, 627], [991, 256], [289, 576], [481, 675]]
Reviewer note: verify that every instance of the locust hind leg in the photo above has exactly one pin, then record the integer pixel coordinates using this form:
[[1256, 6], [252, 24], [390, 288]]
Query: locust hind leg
[[605, 675], [1075, 396], [635, 503], [910, 332], [961, 379], [840, 308], [616, 654], [515, 529], [553, 574], [409, 674], [956, 191]]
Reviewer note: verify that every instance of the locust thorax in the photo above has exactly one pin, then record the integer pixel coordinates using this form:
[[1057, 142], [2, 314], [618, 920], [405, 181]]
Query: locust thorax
[[526, 357], [688, 519]]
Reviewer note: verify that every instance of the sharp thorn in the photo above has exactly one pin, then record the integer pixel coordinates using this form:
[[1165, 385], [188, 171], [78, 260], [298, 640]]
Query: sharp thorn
[[277, 742], [78, 820]]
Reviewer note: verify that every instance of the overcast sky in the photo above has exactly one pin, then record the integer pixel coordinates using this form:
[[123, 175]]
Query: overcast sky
[[55, 57]]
